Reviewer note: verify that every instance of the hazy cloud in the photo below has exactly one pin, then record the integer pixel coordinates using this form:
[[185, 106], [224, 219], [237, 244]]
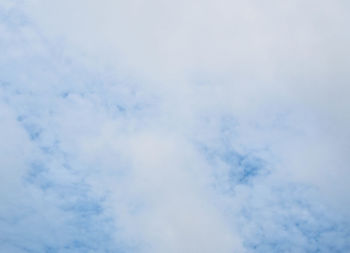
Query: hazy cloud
[[174, 126]]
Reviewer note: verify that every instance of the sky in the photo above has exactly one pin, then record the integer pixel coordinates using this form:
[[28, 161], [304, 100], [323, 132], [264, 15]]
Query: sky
[[174, 126]]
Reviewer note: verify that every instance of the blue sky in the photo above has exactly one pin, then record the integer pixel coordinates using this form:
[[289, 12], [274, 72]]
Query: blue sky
[[174, 126]]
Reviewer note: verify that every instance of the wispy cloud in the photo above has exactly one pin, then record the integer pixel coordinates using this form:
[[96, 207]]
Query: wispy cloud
[[183, 126]]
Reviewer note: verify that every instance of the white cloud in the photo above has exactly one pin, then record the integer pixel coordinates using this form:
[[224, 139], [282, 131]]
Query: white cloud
[[125, 96]]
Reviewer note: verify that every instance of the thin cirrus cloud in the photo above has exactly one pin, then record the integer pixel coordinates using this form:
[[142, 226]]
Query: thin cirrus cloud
[[174, 126]]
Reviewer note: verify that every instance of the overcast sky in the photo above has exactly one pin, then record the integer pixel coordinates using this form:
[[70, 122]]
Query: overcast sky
[[174, 126]]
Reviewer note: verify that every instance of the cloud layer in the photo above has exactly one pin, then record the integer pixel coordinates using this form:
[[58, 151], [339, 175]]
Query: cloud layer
[[174, 126]]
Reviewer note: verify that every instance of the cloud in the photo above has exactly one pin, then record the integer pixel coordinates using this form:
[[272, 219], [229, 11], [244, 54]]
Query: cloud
[[187, 126]]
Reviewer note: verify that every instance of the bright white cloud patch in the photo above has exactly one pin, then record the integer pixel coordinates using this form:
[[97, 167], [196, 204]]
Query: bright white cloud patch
[[174, 126]]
